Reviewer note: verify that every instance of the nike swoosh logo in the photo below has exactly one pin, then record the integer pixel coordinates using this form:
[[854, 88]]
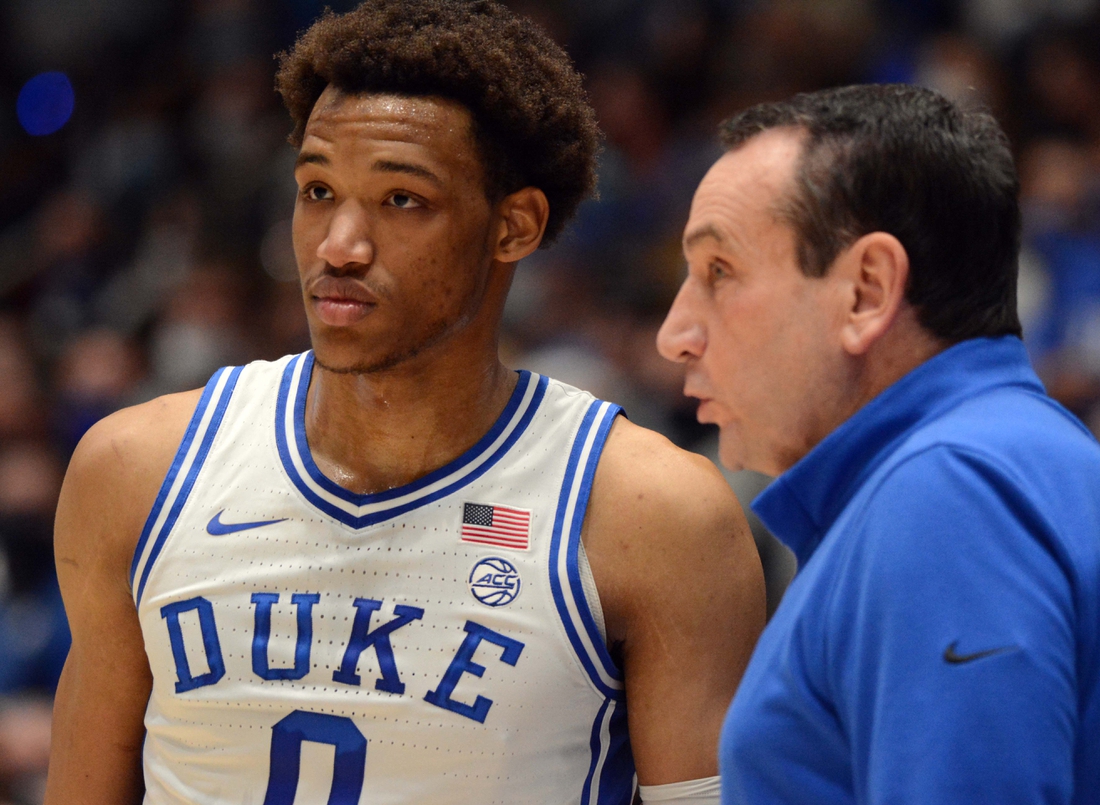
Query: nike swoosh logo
[[217, 528], [952, 658]]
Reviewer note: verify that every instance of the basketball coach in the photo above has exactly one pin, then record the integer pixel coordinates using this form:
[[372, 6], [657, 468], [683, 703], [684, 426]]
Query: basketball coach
[[849, 322]]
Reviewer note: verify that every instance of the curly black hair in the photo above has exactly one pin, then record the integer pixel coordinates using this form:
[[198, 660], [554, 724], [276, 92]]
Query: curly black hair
[[532, 122]]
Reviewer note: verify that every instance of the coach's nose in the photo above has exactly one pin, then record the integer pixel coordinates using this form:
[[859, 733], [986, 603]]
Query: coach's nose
[[682, 335], [348, 240]]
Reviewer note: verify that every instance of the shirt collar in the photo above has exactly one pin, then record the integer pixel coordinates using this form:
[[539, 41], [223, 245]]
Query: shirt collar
[[801, 505]]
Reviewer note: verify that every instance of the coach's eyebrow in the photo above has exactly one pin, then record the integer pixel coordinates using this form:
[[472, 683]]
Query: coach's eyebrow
[[702, 233], [409, 168], [311, 158]]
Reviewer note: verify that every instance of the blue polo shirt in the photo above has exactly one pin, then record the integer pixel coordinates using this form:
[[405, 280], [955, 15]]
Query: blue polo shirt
[[941, 641]]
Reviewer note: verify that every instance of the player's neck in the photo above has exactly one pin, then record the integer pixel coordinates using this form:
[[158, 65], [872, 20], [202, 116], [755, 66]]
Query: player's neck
[[377, 431]]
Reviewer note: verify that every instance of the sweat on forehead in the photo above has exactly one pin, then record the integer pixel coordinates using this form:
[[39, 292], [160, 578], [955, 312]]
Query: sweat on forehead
[[421, 112]]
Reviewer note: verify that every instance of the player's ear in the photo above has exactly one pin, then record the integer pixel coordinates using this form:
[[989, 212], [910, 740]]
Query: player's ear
[[523, 217], [877, 269]]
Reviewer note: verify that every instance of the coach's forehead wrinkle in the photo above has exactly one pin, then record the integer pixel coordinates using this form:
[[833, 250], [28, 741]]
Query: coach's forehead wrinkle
[[703, 232], [741, 189]]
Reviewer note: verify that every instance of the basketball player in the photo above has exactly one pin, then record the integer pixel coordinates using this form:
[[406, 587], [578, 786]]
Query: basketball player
[[389, 569]]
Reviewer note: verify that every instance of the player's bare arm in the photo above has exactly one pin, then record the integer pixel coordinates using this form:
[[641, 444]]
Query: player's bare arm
[[109, 489], [682, 592]]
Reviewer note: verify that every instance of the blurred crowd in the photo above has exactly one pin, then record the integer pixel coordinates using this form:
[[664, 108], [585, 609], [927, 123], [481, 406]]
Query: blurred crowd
[[147, 242]]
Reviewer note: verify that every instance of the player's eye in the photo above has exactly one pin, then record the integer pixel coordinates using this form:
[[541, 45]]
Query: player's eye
[[403, 201], [316, 192]]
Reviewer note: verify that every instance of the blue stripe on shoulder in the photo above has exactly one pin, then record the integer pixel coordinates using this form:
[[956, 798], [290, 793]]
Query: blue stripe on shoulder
[[280, 419], [192, 474], [574, 547], [555, 543], [173, 471], [563, 531]]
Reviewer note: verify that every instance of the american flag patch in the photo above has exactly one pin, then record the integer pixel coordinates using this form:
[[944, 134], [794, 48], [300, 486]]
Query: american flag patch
[[496, 525]]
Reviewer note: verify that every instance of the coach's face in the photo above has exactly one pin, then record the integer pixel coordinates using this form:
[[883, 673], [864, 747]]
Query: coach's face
[[759, 338], [392, 230]]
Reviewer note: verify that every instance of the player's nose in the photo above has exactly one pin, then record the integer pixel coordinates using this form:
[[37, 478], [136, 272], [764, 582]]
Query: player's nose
[[348, 237], [682, 335]]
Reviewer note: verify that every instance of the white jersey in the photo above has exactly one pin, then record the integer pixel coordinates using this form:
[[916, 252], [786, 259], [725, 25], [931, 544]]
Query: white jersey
[[433, 643]]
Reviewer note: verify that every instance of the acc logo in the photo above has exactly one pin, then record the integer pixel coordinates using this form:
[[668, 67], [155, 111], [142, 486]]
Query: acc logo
[[494, 581]]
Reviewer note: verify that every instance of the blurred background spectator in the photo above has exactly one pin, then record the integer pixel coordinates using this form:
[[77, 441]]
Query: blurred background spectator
[[146, 192]]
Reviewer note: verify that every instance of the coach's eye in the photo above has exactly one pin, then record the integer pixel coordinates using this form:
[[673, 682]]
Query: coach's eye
[[403, 201]]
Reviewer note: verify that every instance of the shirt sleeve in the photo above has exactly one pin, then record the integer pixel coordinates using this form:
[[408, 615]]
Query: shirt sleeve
[[952, 656]]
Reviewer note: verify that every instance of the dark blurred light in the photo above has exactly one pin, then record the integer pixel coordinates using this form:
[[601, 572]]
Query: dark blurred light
[[45, 103]]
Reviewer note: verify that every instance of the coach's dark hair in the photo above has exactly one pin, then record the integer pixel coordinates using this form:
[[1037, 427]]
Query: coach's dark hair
[[905, 160], [532, 121]]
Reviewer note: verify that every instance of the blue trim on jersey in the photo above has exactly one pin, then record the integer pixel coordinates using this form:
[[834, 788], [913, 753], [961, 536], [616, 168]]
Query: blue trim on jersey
[[555, 545], [595, 745], [612, 780], [380, 497], [192, 473], [572, 558], [173, 471], [506, 418], [616, 783], [572, 548]]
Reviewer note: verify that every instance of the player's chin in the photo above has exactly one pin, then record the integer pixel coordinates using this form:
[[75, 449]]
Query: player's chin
[[375, 345], [341, 353]]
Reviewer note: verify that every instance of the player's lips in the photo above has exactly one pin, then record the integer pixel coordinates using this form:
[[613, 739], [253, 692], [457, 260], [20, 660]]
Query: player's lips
[[339, 311], [341, 301]]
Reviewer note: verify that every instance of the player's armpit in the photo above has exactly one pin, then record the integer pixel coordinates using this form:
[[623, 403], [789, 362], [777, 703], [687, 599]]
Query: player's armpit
[[682, 591], [109, 488]]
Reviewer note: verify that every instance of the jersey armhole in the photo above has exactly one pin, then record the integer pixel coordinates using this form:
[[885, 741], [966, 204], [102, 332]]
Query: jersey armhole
[[591, 594], [575, 603], [181, 476]]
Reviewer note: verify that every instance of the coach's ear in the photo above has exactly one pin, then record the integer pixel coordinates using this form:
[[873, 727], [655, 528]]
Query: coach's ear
[[523, 217], [876, 268]]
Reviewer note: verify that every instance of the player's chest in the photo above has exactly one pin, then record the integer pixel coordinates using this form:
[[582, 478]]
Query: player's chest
[[414, 611]]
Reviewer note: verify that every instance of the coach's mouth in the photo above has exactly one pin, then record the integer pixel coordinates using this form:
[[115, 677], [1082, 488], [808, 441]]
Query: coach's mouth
[[704, 412]]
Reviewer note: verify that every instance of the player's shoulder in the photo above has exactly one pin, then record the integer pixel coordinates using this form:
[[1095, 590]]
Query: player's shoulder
[[649, 482], [639, 461], [118, 466], [137, 438], [659, 519]]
